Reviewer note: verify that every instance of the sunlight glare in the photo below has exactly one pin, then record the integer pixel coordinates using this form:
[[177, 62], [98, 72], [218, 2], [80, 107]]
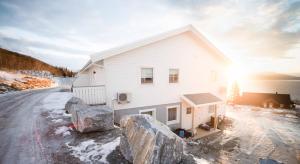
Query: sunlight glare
[[236, 73]]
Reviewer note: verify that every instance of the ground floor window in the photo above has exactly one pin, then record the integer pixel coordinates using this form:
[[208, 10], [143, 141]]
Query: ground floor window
[[172, 114], [151, 112], [211, 108]]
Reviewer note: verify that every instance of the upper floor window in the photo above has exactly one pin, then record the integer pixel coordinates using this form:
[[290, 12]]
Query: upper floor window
[[214, 76], [173, 75], [147, 75]]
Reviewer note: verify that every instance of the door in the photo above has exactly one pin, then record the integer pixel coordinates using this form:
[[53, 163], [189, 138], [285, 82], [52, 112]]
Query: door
[[186, 118]]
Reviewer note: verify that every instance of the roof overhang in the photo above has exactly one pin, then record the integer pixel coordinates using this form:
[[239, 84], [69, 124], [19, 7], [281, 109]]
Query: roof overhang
[[201, 99], [88, 65]]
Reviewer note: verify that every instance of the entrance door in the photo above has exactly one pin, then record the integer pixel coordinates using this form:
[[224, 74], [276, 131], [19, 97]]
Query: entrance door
[[186, 118]]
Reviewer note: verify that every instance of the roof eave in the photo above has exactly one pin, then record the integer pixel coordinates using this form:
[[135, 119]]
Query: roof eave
[[115, 51]]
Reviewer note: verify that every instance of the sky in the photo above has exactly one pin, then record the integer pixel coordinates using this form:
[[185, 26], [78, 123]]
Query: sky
[[257, 35]]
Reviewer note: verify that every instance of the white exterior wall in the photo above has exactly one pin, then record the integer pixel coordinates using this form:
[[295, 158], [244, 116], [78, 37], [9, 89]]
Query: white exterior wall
[[97, 78], [83, 79], [184, 51]]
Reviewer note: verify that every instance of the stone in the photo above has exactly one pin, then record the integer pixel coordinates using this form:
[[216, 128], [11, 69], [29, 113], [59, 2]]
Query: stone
[[92, 118], [188, 159], [147, 141], [71, 102]]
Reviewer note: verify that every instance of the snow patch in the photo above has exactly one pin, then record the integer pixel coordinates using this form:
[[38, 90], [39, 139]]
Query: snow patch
[[63, 130], [55, 104], [201, 161], [10, 76], [57, 120], [90, 151]]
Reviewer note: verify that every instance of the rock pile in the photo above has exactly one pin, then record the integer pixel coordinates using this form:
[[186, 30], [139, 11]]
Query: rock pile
[[25, 82], [145, 140], [29, 82]]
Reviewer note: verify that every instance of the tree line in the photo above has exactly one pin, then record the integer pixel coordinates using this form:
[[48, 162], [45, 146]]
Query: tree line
[[14, 61]]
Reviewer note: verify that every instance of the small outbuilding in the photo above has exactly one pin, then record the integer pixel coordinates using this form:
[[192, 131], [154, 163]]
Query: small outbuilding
[[267, 100]]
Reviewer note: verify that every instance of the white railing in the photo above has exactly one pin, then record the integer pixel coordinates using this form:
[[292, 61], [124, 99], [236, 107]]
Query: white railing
[[91, 94]]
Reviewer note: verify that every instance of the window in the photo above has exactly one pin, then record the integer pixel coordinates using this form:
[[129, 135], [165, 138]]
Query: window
[[172, 115], [211, 108], [147, 75], [151, 112], [173, 75], [214, 76], [188, 110]]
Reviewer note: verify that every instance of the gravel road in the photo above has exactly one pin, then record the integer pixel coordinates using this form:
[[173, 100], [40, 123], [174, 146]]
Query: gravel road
[[21, 126]]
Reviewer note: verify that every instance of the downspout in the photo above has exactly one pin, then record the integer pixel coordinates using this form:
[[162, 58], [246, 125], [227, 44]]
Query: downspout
[[215, 121], [193, 120]]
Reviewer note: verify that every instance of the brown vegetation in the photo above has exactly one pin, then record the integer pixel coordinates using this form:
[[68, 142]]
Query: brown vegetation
[[13, 61]]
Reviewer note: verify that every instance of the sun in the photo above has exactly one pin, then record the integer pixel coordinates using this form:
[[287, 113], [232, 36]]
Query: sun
[[236, 73]]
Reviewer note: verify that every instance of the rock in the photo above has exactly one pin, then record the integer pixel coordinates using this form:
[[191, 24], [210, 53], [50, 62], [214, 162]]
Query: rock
[[71, 102], [205, 150], [145, 140], [92, 118], [188, 159]]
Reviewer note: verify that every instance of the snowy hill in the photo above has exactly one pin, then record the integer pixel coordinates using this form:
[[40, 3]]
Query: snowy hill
[[12, 61]]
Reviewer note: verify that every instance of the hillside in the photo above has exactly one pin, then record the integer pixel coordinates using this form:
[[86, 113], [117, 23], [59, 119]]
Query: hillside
[[273, 76], [13, 61]]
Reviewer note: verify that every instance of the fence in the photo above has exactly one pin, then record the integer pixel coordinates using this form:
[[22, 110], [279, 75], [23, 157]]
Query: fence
[[91, 94]]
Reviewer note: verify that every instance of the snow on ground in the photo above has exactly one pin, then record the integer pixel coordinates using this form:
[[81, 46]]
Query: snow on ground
[[201, 161], [55, 104], [10, 76], [57, 120], [63, 130], [90, 151]]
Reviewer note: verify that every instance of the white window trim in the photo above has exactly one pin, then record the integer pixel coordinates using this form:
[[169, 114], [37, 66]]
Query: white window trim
[[153, 110], [177, 115], [140, 75], [178, 76]]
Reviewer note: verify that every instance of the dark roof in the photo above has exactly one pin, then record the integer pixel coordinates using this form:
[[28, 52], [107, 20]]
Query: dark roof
[[202, 98], [258, 98]]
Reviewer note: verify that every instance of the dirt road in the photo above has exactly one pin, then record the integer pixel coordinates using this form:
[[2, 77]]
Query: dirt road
[[21, 126]]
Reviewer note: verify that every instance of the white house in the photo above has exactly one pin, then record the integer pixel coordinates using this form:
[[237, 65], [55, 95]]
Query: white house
[[178, 77]]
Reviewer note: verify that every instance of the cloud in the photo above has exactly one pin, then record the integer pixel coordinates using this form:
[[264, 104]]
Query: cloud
[[247, 31]]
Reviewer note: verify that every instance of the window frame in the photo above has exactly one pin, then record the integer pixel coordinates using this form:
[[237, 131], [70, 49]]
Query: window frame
[[214, 75], [212, 108], [153, 110], [188, 110], [177, 75], [177, 115], [141, 75]]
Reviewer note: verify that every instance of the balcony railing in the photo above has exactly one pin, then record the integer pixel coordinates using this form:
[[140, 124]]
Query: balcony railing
[[90, 94]]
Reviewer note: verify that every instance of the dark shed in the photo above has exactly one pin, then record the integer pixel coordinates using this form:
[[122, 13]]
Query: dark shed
[[271, 100]]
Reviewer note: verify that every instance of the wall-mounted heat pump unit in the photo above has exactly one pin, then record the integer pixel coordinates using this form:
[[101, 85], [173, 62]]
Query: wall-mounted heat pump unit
[[124, 98]]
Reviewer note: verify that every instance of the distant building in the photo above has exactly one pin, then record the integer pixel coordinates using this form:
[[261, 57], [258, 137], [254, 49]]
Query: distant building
[[266, 100]]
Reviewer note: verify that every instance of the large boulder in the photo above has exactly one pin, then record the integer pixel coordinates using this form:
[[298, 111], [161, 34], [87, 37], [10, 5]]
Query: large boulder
[[70, 104], [92, 118], [147, 141]]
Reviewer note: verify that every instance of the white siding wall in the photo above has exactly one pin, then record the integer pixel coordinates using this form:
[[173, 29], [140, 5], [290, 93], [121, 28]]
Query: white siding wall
[[195, 63], [97, 78], [83, 79]]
